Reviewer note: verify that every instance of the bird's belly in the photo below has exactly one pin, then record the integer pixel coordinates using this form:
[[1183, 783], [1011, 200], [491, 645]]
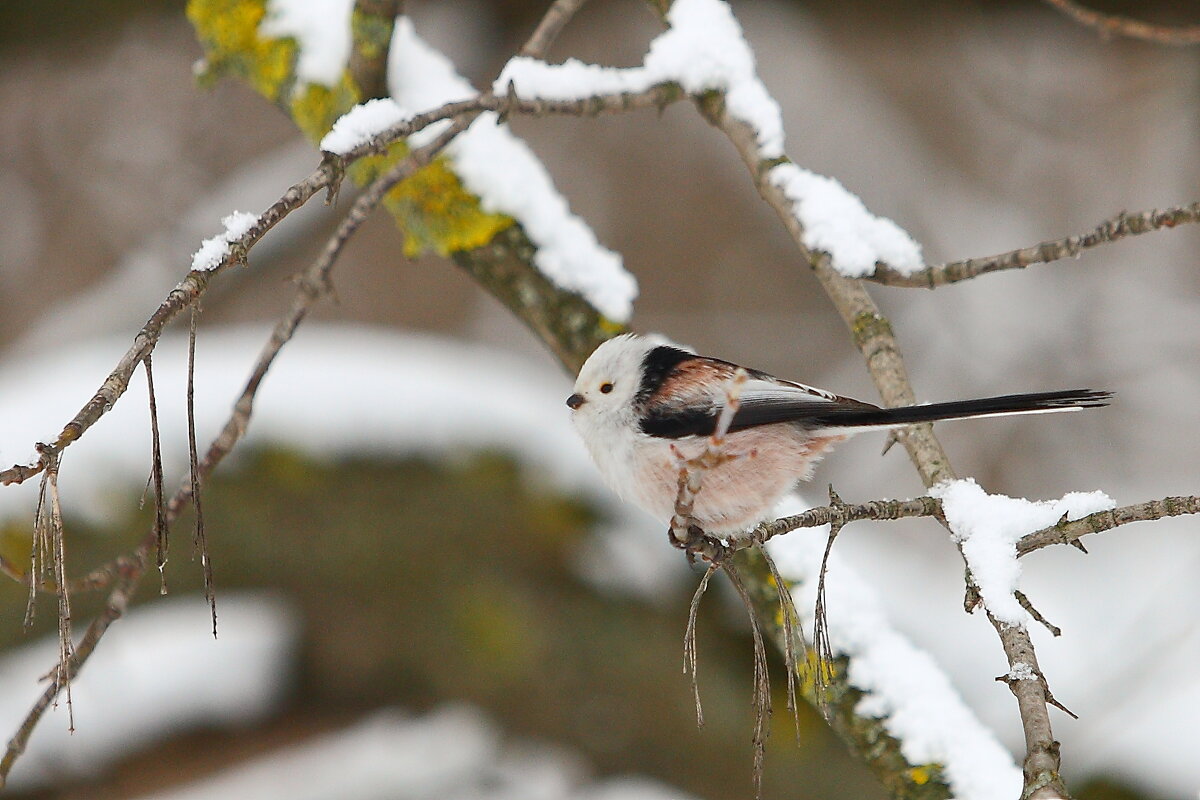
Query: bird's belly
[[737, 493]]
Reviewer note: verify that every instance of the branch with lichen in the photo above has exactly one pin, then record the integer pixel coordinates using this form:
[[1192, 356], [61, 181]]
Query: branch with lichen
[[433, 208], [873, 335]]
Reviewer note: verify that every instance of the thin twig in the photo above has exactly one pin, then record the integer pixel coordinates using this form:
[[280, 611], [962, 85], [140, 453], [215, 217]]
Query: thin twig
[[311, 287], [191, 288], [553, 21], [66, 647], [161, 528], [1032, 611], [38, 549], [761, 699], [1107, 232], [657, 96], [793, 634], [1070, 532], [118, 601], [1110, 25], [821, 643], [690, 661], [199, 537]]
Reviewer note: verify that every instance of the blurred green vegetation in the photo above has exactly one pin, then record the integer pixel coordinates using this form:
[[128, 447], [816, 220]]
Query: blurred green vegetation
[[421, 583]]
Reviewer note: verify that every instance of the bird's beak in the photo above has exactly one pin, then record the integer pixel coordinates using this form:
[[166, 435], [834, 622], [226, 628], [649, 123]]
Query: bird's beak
[[575, 401]]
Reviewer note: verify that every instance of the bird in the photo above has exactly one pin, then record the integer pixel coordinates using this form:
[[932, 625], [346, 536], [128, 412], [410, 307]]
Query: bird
[[643, 406]]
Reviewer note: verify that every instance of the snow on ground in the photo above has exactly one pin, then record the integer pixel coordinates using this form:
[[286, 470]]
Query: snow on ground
[[157, 672]]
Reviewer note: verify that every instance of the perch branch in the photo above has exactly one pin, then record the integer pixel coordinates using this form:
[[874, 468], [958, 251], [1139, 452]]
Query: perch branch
[[873, 334]]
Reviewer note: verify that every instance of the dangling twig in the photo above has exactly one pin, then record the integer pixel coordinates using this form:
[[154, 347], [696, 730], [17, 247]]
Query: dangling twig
[[199, 538], [762, 678], [690, 661], [156, 476], [793, 632], [821, 642]]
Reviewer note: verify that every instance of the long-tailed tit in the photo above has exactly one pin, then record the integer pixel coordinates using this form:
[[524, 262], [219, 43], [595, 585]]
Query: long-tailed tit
[[641, 405]]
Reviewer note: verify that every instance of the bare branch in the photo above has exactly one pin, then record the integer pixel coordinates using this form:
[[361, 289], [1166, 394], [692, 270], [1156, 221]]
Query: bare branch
[[873, 334], [1111, 230], [554, 20], [161, 528], [199, 538], [1110, 25], [190, 289], [657, 96], [1070, 532], [129, 571], [690, 659], [761, 696]]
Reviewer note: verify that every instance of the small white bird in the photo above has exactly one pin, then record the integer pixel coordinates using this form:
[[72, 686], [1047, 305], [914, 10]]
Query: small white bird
[[641, 404]]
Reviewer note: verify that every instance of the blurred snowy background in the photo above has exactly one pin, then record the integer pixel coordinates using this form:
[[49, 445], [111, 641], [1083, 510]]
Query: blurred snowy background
[[458, 588]]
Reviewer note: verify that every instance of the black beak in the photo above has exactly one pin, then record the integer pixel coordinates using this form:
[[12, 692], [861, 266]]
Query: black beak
[[575, 401]]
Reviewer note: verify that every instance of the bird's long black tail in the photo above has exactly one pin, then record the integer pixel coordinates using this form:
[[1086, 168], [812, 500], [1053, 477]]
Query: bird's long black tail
[[1038, 403]]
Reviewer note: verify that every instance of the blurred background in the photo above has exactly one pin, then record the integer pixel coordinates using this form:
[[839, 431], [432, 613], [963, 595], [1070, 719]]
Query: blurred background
[[457, 592]]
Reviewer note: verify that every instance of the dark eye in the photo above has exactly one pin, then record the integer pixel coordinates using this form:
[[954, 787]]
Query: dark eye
[[605, 388]]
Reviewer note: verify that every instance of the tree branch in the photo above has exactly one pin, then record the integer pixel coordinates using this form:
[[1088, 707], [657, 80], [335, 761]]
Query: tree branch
[[1070, 532], [552, 23], [189, 290], [371, 25], [1111, 230], [873, 334], [311, 286], [1110, 25]]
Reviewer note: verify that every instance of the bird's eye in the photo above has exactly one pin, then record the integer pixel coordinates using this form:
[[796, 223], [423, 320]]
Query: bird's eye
[[605, 388]]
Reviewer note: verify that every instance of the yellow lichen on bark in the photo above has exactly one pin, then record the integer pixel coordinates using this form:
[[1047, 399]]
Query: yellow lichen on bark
[[432, 208], [228, 32]]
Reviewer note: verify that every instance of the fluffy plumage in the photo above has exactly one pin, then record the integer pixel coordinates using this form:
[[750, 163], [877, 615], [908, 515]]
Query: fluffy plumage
[[637, 398]]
